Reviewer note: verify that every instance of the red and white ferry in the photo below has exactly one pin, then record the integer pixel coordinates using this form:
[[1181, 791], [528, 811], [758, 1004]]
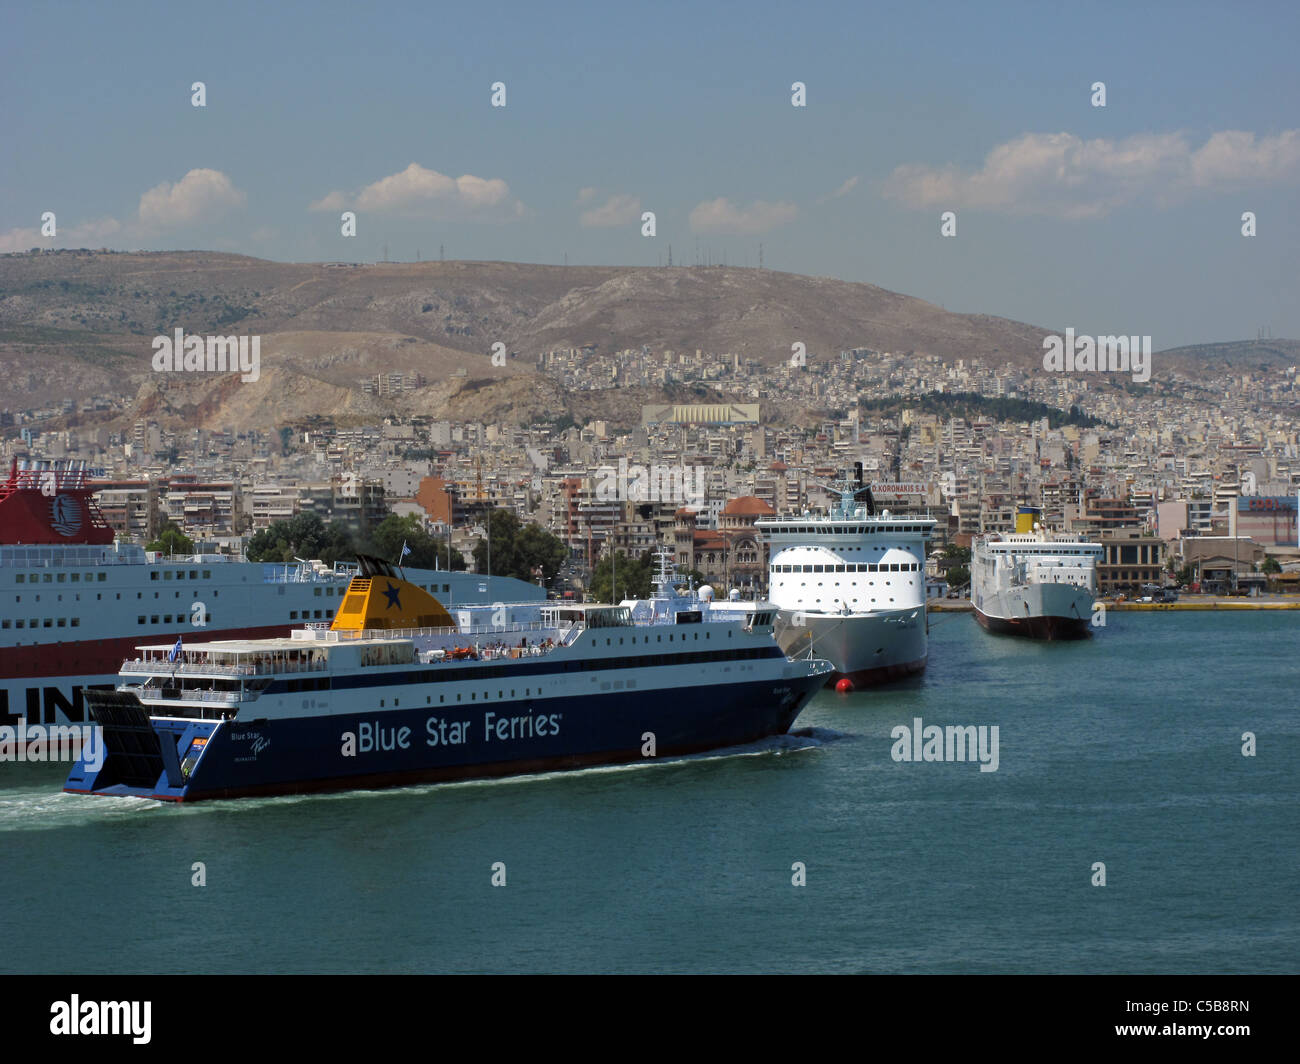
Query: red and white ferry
[[74, 603]]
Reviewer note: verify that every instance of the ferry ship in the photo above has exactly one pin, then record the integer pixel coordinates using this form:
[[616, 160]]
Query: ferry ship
[[395, 692], [850, 586], [1034, 583], [74, 603]]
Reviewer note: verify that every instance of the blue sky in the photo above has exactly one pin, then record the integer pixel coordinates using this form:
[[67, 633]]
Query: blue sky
[[1124, 219]]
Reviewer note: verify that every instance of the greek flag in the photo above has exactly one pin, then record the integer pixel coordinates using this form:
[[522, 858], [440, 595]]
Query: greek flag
[[405, 549], [175, 651]]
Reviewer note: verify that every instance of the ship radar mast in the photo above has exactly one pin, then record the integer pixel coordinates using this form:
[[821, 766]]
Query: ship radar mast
[[852, 492]]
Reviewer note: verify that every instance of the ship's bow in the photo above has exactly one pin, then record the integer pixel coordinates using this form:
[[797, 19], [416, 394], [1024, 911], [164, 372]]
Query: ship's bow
[[134, 754]]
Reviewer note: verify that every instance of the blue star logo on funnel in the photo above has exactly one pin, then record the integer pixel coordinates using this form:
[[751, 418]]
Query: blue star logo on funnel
[[391, 592]]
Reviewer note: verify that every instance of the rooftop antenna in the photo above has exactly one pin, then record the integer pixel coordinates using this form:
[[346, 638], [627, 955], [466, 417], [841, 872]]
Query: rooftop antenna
[[760, 256], [442, 255]]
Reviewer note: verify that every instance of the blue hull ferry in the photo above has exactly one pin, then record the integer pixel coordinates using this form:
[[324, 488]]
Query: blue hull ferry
[[394, 692]]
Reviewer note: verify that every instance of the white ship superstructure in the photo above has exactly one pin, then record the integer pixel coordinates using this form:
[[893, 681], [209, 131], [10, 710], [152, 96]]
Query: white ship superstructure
[[850, 587]]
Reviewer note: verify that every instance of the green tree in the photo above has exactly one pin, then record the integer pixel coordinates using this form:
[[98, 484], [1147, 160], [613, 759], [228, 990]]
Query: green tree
[[427, 551], [171, 540], [958, 576], [304, 535], [635, 577], [517, 548], [690, 578], [1270, 565]]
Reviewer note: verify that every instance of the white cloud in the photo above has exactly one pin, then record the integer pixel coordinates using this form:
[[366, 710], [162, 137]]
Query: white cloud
[[1234, 156], [617, 210], [199, 196], [845, 188], [722, 216], [86, 235], [586, 195], [331, 201], [1063, 175], [417, 188]]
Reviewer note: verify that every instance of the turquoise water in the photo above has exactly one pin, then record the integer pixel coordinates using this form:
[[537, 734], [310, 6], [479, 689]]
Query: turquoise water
[[1124, 749]]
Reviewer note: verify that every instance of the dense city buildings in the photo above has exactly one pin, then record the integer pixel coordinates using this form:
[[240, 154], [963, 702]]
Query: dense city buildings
[[1162, 476]]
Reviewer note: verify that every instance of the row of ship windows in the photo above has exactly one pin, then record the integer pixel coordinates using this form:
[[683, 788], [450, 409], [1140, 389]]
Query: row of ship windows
[[117, 595], [74, 578], [49, 622], [851, 567], [75, 622], [293, 614], [428, 699], [1045, 551], [876, 550], [840, 602], [870, 583], [658, 639], [166, 618], [1043, 561], [843, 530], [194, 574]]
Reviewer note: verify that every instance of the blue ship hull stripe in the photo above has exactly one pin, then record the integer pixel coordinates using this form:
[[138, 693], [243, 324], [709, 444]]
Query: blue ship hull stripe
[[391, 747]]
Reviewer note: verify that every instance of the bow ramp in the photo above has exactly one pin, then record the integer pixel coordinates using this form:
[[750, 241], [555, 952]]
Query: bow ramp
[[150, 758]]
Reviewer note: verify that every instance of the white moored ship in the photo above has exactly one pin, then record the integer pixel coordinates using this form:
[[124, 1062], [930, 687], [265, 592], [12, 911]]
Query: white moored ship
[[850, 586], [1034, 583]]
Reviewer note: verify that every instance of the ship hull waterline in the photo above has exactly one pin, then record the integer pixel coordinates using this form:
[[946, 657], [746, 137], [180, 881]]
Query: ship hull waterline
[[866, 650], [404, 747], [1046, 628]]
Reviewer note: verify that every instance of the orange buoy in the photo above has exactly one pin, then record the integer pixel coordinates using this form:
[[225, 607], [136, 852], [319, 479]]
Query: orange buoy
[[844, 686]]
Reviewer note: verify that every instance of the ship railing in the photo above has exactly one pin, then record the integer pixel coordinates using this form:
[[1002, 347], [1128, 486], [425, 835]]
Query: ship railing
[[568, 633], [322, 633], [183, 694], [58, 479], [50, 556], [259, 668], [445, 656], [285, 573]]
